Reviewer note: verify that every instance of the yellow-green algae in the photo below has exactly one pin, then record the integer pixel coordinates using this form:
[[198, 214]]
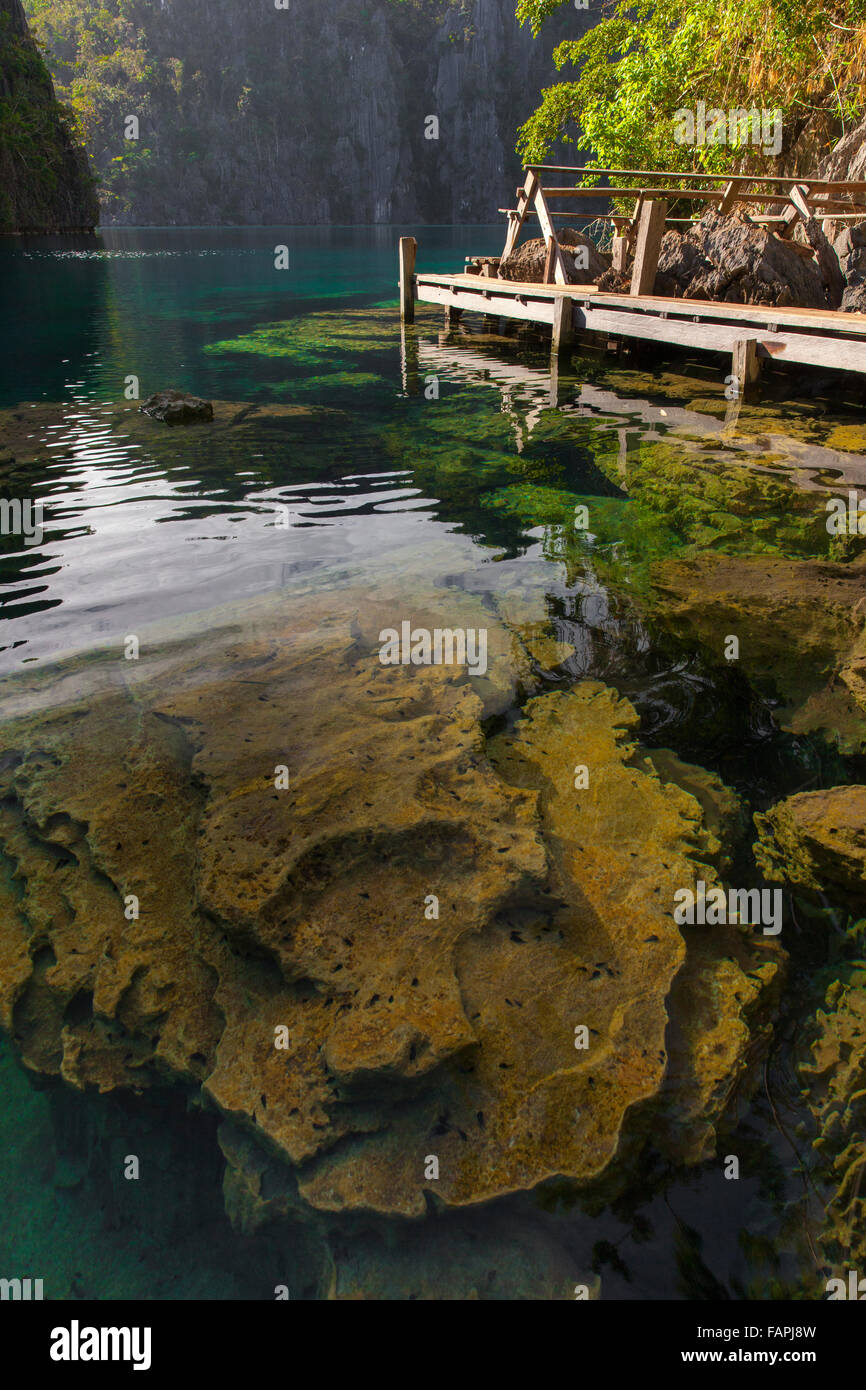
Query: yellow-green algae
[[306, 911]]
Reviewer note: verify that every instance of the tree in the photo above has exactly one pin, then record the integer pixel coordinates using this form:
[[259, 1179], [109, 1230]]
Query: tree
[[643, 63]]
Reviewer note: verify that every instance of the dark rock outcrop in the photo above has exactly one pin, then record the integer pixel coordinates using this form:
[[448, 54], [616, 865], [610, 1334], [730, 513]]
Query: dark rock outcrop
[[45, 184], [177, 408], [729, 259], [847, 159], [726, 258], [850, 251], [528, 262]]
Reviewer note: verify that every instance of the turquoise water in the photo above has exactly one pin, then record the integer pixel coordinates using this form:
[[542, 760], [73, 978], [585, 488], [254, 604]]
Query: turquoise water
[[450, 463]]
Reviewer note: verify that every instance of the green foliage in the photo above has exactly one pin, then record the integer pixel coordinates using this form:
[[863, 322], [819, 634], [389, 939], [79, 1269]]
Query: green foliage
[[642, 63], [43, 181]]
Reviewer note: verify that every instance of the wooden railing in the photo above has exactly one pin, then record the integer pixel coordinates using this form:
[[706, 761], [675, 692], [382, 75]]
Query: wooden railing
[[769, 201]]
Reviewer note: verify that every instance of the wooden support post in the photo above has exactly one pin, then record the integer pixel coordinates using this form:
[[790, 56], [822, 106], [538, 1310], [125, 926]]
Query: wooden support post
[[649, 239], [563, 324], [409, 362], [548, 231], [745, 365], [517, 219], [729, 198], [550, 262], [453, 315], [619, 254], [408, 252]]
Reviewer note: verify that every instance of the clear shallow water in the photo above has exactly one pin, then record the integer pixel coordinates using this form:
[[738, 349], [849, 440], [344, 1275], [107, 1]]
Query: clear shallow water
[[438, 464]]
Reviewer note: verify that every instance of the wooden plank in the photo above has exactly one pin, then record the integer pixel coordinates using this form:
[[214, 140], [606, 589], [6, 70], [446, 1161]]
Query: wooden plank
[[783, 347], [745, 364], [707, 194], [550, 262], [515, 223], [408, 252], [619, 254], [759, 316], [531, 310], [774, 180], [563, 325], [548, 232], [729, 198], [649, 239]]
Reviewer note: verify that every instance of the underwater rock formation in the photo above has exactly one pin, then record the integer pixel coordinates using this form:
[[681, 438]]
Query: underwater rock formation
[[416, 946], [834, 1075], [817, 842], [799, 627]]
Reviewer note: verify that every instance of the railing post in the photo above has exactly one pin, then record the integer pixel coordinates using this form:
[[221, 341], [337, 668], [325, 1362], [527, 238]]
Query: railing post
[[563, 324], [649, 239], [408, 252]]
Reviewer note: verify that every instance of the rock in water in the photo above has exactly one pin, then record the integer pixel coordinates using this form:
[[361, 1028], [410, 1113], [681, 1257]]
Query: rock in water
[[817, 842], [527, 263], [284, 963], [176, 408]]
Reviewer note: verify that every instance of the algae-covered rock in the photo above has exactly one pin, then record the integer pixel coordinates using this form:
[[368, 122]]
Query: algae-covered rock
[[816, 841], [406, 964], [799, 626], [835, 1078], [177, 408]]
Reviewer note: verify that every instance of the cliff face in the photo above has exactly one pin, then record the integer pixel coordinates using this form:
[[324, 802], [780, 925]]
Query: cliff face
[[45, 185], [316, 113]]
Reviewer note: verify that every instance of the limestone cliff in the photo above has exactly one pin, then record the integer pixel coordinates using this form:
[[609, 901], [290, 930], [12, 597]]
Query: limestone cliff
[[45, 185], [313, 113]]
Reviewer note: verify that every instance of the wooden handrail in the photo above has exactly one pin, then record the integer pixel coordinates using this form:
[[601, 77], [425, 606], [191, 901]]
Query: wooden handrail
[[831, 185]]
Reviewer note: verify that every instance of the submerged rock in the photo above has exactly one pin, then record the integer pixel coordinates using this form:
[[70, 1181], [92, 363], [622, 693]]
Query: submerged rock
[[527, 263], [799, 626], [420, 967], [177, 408], [835, 1078], [816, 841]]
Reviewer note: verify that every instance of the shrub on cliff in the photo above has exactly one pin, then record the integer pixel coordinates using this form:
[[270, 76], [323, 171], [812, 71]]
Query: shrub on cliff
[[642, 64]]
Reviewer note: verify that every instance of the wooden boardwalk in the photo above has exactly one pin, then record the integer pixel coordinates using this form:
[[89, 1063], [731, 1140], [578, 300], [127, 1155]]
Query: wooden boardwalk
[[749, 334], [813, 337]]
